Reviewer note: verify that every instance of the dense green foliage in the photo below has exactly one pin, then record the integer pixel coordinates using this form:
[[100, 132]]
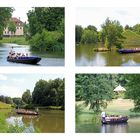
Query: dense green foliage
[[5, 15], [6, 99], [96, 89], [78, 32], [112, 34], [46, 28], [133, 89], [12, 27], [47, 41], [89, 36], [49, 93], [26, 97]]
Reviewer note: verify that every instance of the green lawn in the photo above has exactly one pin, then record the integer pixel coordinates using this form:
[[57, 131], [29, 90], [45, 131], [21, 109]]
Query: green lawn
[[4, 106], [17, 40], [116, 107], [132, 39]]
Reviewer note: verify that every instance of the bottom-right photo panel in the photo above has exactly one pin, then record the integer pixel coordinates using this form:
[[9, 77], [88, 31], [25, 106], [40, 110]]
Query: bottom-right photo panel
[[107, 103]]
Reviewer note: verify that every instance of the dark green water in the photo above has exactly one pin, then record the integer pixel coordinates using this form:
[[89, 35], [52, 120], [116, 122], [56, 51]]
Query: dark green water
[[133, 126], [48, 59], [49, 121], [86, 56]]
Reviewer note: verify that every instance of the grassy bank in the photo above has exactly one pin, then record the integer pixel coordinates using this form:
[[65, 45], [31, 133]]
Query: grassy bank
[[51, 107], [116, 107], [16, 40], [5, 106], [132, 39]]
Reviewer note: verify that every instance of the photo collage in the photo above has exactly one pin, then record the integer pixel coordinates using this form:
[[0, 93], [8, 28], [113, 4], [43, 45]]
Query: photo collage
[[70, 68]]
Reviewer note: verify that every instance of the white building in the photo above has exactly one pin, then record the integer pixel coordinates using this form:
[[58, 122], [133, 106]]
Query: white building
[[19, 28]]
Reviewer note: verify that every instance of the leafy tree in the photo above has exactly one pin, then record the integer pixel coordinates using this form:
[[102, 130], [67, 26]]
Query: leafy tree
[[91, 27], [127, 27], [26, 97], [18, 102], [95, 89], [26, 29], [48, 18], [46, 28], [49, 93], [133, 87], [47, 41], [136, 28], [5, 15], [12, 27], [89, 36], [2, 98], [112, 32], [78, 35], [6, 99]]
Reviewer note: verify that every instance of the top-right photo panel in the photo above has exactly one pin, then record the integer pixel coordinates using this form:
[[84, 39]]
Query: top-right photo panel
[[107, 36]]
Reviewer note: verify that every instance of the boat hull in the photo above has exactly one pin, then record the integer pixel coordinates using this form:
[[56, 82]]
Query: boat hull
[[25, 60], [126, 51], [27, 112], [115, 121]]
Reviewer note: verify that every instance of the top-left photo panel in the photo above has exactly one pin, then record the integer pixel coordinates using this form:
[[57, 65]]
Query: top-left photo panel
[[32, 36]]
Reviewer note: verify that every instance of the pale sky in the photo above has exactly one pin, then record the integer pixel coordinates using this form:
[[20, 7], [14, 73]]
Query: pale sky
[[96, 16], [14, 85], [21, 12]]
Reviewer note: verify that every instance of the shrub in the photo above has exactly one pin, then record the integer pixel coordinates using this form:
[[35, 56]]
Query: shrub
[[47, 41]]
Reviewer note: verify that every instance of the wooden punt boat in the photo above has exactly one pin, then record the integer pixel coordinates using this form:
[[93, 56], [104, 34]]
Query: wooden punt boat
[[26, 112], [125, 51], [115, 120], [25, 59]]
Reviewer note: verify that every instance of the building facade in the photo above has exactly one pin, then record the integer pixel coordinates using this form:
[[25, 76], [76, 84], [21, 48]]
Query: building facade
[[19, 28]]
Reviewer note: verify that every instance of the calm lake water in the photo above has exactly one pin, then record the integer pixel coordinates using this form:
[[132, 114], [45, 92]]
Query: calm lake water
[[133, 126], [49, 121], [86, 56], [49, 59]]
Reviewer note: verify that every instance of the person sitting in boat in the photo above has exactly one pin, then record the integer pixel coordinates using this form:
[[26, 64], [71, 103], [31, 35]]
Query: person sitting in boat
[[23, 54], [11, 53], [103, 115]]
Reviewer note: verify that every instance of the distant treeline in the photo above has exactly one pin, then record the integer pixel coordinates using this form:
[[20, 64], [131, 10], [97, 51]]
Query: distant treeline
[[111, 34], [45, 93]]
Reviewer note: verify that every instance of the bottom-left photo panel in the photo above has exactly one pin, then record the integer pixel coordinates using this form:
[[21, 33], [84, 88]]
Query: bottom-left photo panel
[[32, 103]]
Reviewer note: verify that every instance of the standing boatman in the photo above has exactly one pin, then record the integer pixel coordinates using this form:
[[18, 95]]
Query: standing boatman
[[103, 115]]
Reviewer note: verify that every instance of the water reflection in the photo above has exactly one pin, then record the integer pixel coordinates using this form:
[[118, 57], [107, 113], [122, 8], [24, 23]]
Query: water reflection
[[55, 59], [133, 126], [86, 56], [49, 121], [114, 128]]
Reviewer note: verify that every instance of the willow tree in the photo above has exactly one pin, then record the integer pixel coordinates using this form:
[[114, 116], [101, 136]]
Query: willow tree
[[95, 89]]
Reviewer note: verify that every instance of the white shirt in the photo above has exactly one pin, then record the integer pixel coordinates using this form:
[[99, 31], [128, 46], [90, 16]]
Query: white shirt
[[103, 114]]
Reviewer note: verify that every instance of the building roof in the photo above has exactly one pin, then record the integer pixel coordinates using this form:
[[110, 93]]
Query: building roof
[[17, 20]]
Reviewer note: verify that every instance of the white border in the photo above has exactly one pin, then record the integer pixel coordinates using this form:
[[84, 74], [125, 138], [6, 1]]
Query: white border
[[70, 69]]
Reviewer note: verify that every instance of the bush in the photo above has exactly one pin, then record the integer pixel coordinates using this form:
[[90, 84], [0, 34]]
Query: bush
[[47, 41], [89, 36]]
